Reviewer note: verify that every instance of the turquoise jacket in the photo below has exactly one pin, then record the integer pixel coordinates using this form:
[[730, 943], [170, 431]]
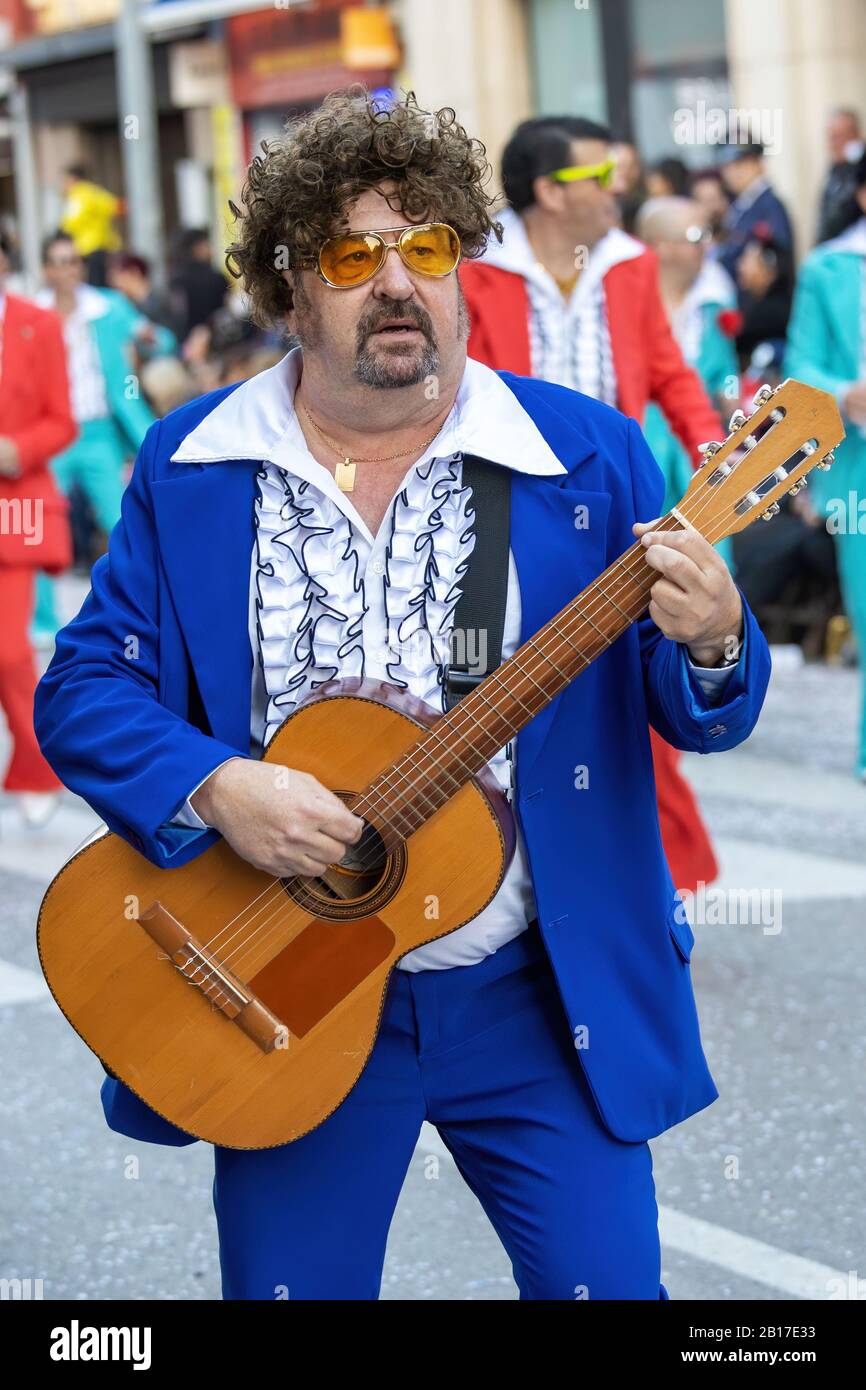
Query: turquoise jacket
[[715, 361], [826, 348], [113, 321]]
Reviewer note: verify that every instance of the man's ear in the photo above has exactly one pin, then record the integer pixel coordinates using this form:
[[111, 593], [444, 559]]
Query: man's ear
[[547, 194]]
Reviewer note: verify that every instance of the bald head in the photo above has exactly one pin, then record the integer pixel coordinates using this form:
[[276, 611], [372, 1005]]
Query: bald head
[[673, 227], [667, 219]]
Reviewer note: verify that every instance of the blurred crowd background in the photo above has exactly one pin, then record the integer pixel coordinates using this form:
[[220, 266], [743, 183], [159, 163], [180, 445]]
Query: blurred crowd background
[[736, 131]]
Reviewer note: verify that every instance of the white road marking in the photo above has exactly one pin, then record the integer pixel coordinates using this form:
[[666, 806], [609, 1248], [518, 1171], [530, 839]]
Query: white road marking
[[19, 986], [751, 1259], [764, 1264]]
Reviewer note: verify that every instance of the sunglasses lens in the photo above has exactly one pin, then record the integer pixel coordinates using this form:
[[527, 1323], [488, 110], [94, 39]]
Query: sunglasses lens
[[431, 250], [349, 260]]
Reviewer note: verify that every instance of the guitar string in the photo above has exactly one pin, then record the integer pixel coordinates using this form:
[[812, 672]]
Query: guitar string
[[457, 729], [625, 572]]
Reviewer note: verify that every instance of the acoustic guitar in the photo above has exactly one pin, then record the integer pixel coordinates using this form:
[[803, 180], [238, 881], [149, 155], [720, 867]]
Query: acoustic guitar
[[243, 1008]]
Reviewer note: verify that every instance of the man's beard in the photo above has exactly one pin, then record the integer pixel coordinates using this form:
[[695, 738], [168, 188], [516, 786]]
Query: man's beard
[[388, 366]]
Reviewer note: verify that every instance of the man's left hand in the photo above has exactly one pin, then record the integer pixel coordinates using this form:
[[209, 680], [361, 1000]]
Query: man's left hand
[[695, 600]]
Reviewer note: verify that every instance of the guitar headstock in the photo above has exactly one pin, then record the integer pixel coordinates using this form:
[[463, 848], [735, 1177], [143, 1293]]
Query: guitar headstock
[[791, 430]]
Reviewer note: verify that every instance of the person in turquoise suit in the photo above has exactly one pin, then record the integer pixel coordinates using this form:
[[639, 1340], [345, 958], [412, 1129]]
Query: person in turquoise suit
[[100, 330], [697, 294], [827, 348]]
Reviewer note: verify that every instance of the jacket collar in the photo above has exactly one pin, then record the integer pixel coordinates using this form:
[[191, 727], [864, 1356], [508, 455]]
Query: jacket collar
[[515, 253]]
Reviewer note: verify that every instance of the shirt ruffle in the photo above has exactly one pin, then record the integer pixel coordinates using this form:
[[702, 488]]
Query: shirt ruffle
[[427, 555], [309, 592]]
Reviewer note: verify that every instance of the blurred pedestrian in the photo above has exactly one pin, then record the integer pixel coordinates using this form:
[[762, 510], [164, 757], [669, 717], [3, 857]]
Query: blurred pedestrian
[[88, 216], [708, 191], [593, 321], [845, 147], [35, 422], [754, 201], [130, 275], [827, 348], [107, 401], [667, 178], [627, 185], [700, 298], [197, 287], [765, 276]]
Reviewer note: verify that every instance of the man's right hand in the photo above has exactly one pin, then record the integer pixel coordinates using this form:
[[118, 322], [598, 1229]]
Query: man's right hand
[[281, 821]]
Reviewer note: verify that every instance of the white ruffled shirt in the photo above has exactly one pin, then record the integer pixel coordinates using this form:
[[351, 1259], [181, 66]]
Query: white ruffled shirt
[[329, 599]]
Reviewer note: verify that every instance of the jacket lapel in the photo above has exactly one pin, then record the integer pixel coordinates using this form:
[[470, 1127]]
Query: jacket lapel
[[205, 524]]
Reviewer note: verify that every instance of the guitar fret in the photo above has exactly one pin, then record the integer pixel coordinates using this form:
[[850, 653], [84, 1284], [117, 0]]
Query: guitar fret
[[464, 740]]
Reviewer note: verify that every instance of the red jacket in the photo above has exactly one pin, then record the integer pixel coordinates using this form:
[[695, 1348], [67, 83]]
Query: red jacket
[[648, 362], [35, 412], [649, 367]]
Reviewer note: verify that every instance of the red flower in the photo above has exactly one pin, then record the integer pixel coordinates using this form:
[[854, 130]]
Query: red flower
[[730, 321]]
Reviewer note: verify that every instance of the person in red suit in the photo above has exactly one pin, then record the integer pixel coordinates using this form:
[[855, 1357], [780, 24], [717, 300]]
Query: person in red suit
[[36, 422], [568, 296]]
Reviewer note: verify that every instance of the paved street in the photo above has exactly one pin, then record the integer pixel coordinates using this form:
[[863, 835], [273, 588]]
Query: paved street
[[762, 1194]]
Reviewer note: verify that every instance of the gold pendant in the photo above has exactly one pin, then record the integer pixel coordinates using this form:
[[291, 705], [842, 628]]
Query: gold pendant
[[344, 475]]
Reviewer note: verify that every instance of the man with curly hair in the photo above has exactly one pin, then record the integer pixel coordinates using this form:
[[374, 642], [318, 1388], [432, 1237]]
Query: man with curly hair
[[313, 522]]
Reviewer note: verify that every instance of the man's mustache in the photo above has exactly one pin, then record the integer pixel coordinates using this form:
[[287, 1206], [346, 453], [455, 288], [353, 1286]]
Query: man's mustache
[[372, 322]]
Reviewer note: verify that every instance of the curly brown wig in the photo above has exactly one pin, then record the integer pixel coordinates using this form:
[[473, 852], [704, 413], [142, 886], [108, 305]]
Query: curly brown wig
[[297, 192]]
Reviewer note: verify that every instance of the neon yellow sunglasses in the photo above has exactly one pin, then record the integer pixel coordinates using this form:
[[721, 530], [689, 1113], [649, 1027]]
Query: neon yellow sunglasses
[[603, 172]]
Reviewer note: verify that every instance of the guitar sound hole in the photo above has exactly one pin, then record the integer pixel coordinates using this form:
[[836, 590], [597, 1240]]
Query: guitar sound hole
[[359, 871], [365, 878]]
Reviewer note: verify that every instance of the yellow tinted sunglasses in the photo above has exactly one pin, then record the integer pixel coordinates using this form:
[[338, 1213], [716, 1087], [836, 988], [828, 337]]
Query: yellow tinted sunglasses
[[603, 172], [346, 260]]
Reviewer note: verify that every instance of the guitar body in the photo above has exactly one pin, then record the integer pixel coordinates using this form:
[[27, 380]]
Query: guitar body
[[220, 944]]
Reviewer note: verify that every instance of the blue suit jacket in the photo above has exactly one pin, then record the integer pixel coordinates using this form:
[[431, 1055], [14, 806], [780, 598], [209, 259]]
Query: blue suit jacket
[[132, 734], [767, 207]]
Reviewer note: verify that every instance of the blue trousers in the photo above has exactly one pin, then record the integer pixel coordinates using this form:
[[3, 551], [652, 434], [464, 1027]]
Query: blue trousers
[[484, 1053]]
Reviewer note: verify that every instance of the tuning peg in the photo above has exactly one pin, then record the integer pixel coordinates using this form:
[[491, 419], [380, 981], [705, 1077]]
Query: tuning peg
[[772, 510], [826, 461], [762, 395], [711, 447], [738, 418], [798, 487]]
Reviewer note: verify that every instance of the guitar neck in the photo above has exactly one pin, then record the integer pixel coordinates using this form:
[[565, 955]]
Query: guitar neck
[[464, 740]]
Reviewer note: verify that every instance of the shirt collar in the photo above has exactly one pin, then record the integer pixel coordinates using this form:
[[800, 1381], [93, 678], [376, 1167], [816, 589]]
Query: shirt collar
[[257, 421], [515, 253], [90, 303]]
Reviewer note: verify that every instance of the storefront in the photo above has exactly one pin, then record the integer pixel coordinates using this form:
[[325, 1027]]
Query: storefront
[[284, 61]]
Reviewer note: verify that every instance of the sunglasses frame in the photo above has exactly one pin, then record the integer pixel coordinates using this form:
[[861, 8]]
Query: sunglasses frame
[[572, 173], [390, 246]]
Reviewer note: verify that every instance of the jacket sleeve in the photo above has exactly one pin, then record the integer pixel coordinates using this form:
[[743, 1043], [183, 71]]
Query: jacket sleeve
[[97, 712], [673, 385], [123, 385], [679, 708], [808, 355], [54, 425]]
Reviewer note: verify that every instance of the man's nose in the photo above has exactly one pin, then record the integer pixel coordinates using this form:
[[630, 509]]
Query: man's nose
[[393, 281]]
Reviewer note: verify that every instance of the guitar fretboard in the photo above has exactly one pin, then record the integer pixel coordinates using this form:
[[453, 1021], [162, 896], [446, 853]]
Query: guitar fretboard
[[464, 740]]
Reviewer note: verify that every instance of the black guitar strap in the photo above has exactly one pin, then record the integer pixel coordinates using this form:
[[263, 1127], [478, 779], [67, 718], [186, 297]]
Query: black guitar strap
[[479, 618]]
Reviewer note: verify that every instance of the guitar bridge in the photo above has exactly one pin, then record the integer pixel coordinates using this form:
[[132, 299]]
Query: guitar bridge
[[202, 968]]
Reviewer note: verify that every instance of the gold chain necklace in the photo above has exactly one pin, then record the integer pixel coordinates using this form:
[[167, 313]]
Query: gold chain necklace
[[344, 474]]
